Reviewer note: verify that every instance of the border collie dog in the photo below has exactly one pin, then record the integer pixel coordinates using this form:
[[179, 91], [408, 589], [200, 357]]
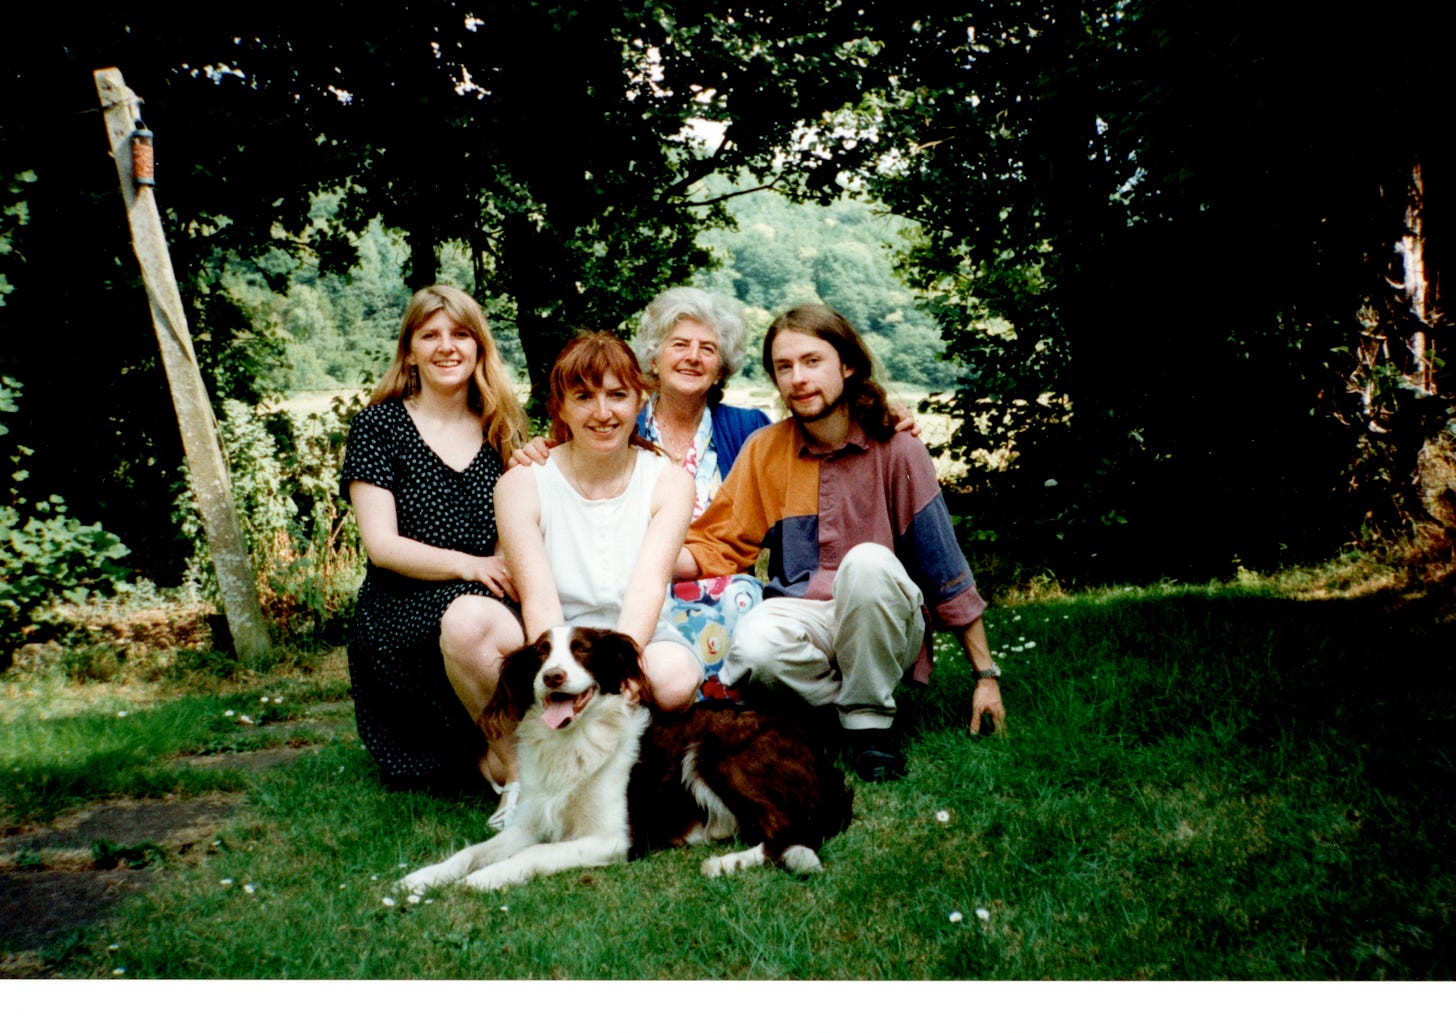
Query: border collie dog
[[603, 779]]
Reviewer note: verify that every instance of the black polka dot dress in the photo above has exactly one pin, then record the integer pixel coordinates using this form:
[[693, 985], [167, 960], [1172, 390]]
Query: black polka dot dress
[[409, 717]]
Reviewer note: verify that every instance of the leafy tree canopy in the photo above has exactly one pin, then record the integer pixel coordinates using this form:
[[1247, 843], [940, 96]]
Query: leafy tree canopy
[[1150, 229], [561, 145], [1157, 236]]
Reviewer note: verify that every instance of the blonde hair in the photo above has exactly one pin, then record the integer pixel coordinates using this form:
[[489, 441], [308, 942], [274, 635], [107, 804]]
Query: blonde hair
[[492, 394]]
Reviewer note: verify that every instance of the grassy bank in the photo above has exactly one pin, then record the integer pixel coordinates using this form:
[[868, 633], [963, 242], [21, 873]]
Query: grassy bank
[[1197, 784]]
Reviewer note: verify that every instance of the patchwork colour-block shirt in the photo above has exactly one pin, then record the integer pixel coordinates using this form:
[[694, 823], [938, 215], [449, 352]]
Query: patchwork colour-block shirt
[[809, 506]]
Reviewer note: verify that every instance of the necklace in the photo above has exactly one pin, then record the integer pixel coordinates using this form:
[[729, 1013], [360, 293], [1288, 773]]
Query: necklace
[[678, 454], [615, 487]]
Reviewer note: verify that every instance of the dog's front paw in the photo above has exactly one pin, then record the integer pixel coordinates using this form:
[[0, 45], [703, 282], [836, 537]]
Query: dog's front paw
[[496, 876], [428, 878]]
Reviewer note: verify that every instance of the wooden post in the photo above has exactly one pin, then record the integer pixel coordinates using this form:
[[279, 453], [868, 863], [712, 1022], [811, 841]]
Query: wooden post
[[206, 464]]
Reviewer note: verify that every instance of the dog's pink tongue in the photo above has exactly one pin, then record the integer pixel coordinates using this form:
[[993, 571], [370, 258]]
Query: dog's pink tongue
[[557, 712]]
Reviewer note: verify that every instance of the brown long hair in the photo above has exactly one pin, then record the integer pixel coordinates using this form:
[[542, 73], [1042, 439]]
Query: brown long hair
[[586, 361], [867, 404], [492, 395]]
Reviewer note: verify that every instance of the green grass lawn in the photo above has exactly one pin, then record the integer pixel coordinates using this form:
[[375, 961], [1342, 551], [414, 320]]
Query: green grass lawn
[[1196, 784]]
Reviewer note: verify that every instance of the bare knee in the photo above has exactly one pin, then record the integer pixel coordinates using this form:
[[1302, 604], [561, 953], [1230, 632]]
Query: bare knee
[[674, 674], [474, 627]]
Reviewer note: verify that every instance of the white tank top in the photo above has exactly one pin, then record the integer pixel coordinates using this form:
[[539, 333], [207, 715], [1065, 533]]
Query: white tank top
[[593, 544]]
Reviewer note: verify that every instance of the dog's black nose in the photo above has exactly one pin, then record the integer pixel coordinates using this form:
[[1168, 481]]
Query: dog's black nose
[[553, 678]]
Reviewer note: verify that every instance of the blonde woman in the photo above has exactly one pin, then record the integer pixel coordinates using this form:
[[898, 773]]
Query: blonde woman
[[437, 609]]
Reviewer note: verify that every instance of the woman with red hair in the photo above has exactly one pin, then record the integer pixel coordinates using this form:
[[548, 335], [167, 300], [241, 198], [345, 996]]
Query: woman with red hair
[[591, 535]]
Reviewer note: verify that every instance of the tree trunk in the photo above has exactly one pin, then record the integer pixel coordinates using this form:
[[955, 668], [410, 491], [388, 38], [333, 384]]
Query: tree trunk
[[1416, 287]]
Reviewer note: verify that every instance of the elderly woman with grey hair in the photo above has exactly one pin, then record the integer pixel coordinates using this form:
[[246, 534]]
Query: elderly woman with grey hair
[[690, 342]]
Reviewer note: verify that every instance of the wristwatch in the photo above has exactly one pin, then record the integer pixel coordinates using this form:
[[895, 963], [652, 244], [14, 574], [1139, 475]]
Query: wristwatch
[[994, 671]]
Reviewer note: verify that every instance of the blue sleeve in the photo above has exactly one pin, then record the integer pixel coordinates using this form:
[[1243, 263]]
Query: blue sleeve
[[732, 426]]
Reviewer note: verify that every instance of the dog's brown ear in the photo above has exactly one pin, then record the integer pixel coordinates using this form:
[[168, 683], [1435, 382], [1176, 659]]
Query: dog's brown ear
[[514, 692], [626, 659]]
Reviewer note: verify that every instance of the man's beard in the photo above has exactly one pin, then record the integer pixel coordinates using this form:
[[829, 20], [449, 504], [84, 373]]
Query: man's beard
[[830, 408]]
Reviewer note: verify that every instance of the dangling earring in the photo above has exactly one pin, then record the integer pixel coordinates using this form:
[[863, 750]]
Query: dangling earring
[[413, 385]]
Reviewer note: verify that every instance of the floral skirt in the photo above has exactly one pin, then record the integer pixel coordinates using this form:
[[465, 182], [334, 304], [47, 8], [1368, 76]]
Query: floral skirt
[[705, 612]]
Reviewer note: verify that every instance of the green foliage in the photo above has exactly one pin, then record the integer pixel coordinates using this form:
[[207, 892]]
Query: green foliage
[[1154, 296], [779, 254], [47, 554], [321, 143], [106, 854], [304, 550], [1157, 264], [13, 215]]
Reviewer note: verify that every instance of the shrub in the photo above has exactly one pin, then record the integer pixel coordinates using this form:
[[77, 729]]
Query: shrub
[[305, 553], [47, 555]]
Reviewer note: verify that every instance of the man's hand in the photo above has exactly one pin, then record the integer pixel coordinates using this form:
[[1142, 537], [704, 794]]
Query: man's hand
[[986, 706], [904, 419]]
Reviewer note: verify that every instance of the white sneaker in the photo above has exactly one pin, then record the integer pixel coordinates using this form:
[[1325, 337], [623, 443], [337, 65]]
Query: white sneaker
[[510, 795]]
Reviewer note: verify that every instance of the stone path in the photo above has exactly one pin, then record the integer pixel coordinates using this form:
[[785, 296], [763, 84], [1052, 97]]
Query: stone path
[[50, 883]]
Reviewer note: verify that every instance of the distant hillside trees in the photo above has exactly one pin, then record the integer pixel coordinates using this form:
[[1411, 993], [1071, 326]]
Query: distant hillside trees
[[780, 254]]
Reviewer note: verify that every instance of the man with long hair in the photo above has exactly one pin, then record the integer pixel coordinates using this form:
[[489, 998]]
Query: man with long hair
[[864, 562]]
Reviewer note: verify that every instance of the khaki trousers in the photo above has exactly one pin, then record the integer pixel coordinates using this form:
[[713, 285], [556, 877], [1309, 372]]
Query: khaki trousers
[[850, 650]]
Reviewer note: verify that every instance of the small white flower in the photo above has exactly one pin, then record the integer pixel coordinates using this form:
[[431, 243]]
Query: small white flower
[[983, 914], [249, 888], [413, 898], [942, 816], [118, 972], [225, 882], [262, 699], [113, 946], [373, 878], [342, 886], [122, 713], [403, 865], [1030, 644], [1051, 482], [277, 699], [956, 916], [228, 713], [245, 720], [388, 902], [504, 908]]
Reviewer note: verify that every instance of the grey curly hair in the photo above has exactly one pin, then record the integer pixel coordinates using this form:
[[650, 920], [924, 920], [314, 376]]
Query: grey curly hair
[[678, 303]]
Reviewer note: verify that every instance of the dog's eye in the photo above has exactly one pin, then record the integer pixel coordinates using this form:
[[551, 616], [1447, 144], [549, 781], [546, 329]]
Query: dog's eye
[[579, 649]]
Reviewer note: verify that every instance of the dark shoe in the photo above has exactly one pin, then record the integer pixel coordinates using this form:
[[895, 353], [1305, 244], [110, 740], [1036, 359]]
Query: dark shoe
[[876, 757]]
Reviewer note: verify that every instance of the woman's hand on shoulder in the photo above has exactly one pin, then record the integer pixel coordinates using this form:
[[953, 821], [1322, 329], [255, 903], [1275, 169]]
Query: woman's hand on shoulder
[[532, 453]]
